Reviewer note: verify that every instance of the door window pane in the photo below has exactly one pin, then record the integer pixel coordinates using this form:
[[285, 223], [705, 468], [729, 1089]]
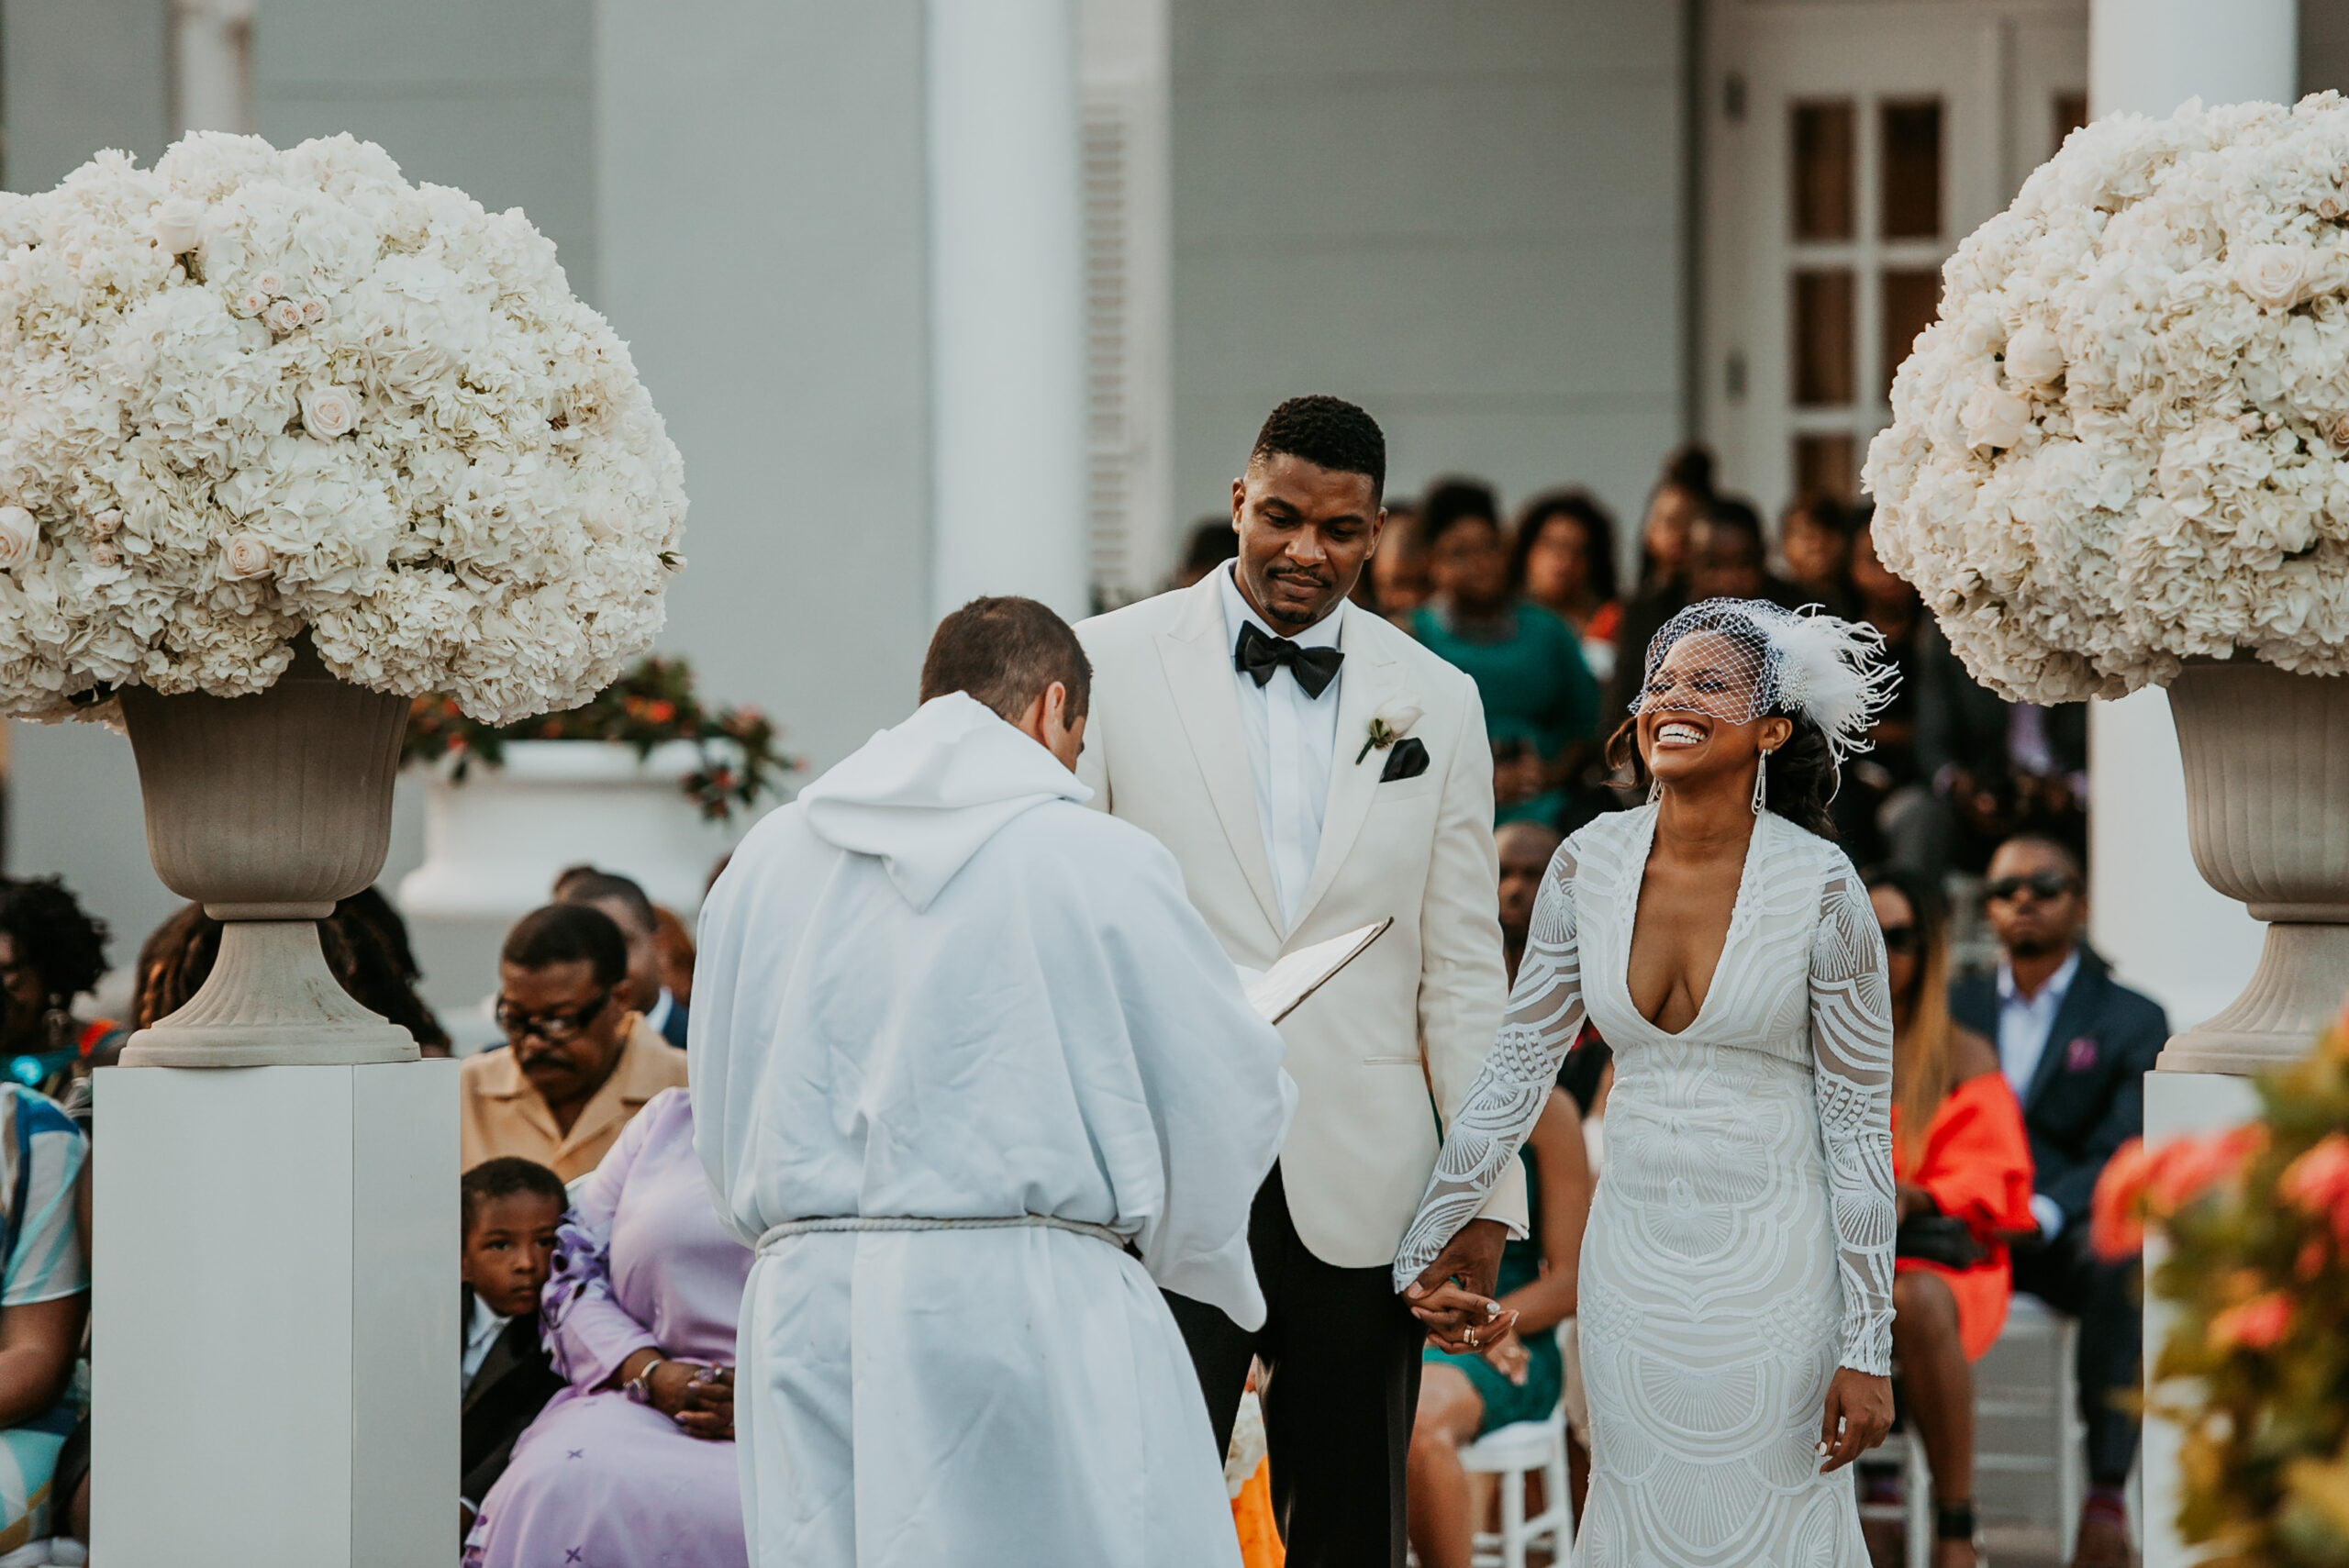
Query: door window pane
[[1911, 168], [1824, 159], [1828, 464], [1911, 300], [1824, 362]]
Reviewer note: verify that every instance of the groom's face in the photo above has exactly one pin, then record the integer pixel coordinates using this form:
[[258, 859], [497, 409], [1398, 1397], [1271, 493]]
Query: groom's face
[[1306, 532]]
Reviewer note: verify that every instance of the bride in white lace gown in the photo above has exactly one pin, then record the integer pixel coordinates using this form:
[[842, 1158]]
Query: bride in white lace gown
[[1736, 1277]]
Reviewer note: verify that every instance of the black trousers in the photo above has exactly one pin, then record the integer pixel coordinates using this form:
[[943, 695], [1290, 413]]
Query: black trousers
[[1341, 1358], [2104, 1296]]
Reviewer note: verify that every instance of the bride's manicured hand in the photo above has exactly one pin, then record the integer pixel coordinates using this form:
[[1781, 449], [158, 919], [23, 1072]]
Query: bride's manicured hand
[[1454, 1295], [1859, 1412]]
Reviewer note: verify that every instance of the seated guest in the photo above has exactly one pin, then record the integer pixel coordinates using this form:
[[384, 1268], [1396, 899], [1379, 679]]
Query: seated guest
[[50, 952], [1961, 1163], [1728, 559], [623, 899], [1525, 848], [675, 943], [1520, 1377], [1213, 541], [2075, 1045], [633, 1461], [1527, 663], [1397, 583], [44, 1303], [511, 1209], [581, 1061], [1815, 544], [1681, 496], [1564, 560]]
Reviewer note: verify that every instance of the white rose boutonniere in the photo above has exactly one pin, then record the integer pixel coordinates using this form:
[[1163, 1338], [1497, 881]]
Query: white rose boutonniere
[[1390, 723]]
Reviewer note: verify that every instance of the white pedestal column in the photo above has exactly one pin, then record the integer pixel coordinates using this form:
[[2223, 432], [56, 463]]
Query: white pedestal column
[[1006, 301], [275, 1349], [2162, 926]]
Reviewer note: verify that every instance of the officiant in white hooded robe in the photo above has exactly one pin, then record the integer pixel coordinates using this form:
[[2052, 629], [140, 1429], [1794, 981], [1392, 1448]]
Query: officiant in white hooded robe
[[934, 992]]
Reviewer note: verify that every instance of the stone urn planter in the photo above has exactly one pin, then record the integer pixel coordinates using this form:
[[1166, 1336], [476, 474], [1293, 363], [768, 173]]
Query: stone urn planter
[[2267, 756], [267, 809], [495, 839]]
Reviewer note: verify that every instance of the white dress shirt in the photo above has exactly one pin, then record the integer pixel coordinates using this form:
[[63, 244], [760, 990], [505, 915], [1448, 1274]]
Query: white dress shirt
[[1291, 738], [2024, 1024], [479, 1334]]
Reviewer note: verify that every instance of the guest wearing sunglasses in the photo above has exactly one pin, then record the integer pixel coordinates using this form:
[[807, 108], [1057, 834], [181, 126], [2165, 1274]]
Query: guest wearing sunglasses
[[1961, 1162], [2076, 1045], [578, 1061]]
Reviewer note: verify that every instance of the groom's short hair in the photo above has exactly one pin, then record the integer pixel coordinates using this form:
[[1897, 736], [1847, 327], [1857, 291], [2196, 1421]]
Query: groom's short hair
[[1005, 652], [1327, 432]]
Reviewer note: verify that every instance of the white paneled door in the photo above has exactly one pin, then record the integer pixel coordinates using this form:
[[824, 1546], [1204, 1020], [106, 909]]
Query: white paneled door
[[1848, 146]]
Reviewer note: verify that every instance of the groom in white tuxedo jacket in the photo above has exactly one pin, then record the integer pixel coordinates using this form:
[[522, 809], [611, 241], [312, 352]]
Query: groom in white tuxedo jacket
[[1313, 770]]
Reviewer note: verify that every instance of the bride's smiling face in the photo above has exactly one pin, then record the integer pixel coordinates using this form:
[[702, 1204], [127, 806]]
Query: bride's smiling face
[[1697, 718]]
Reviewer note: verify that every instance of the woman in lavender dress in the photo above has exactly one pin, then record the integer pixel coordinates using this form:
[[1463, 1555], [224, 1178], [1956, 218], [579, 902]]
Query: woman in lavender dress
[[633, 1464]]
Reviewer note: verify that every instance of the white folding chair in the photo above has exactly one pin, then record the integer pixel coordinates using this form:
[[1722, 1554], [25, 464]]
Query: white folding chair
[[1512, 1453], [2046, 1395]]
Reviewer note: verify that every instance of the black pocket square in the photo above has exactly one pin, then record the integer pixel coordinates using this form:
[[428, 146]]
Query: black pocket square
[[1406, 758]]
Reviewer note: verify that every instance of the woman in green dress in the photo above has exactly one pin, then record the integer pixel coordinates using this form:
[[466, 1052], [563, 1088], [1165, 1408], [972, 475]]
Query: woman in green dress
[[1541, 701]]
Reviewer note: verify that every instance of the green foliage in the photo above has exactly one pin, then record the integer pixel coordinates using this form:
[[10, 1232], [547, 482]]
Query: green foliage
[[651, 705]]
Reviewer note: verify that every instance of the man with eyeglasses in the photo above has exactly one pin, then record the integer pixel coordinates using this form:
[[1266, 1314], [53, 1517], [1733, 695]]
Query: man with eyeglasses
[[2076, 1045], [579, 1060]]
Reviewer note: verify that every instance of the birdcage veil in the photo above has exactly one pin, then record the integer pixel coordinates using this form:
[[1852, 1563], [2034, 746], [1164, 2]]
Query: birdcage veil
[[1758, 658]]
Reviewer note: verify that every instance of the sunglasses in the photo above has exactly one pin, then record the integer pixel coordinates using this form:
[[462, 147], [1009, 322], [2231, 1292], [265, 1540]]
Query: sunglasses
[[1900, 941], [555, 1027], [2045, 886]]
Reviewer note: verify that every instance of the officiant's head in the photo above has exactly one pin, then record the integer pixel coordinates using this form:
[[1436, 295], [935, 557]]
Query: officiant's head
[[1308, 509], [1020, 658]]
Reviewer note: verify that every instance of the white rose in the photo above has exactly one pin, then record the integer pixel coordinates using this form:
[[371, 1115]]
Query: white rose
[[281, 317], [250, 301], [314, 311], [2033, 357], [243, 556], [2272, 274], [19, 534], [1397, 715], [105, 555], [2338, 428], [330, 411], [271, 283], [103, 526], [178, 225], [1994, 418]]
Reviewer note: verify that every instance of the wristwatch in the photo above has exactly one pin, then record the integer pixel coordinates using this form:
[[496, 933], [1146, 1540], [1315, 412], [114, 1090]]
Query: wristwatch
[[640, 1387]]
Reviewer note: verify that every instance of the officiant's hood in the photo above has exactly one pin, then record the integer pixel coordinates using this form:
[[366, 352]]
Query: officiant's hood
[[924, 798]]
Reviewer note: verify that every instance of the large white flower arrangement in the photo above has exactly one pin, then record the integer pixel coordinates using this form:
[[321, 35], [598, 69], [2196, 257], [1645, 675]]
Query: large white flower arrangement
[[247, 392], [2124, 442]]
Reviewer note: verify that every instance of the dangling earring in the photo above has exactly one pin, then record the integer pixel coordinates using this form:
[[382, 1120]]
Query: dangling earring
[[1655, 789], [1761, 783]]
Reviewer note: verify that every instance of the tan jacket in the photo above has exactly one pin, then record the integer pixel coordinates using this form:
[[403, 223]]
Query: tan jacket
[[1418, 1011], [499, 1112]]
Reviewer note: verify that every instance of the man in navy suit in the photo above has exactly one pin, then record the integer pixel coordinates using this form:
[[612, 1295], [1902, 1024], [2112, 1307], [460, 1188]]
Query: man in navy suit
[[2076, 1045]]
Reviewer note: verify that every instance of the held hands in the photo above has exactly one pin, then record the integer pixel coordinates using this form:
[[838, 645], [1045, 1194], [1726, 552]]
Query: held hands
[[1859, 1412], [699, 1398], [1453, 1295]]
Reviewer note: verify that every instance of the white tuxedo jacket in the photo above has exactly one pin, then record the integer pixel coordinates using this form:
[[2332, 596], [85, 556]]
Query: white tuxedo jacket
[[1164, 749]]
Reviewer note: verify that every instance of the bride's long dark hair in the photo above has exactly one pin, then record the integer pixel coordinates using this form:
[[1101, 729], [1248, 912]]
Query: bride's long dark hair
[[1800, 782]]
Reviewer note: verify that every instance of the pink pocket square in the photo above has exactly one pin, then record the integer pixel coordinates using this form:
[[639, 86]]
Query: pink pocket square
[[2080, 1055]]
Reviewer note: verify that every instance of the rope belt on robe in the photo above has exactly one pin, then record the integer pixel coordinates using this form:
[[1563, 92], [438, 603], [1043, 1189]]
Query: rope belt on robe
[[791, 1228]]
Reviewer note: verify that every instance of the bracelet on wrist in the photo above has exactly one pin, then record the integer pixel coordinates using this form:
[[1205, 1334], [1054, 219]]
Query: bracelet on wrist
[[640, 1387]]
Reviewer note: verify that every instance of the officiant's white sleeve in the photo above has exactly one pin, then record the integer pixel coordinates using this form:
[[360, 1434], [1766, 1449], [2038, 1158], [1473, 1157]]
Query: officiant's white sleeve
[[1851, 1032], [1210, 1069], [1545, 1015], [1463, 984]]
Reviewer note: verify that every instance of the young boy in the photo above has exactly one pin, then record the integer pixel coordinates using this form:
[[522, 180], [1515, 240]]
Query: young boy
[[511, 1209]]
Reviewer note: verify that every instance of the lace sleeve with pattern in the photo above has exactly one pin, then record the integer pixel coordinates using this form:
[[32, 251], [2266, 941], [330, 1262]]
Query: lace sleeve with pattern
[[1851, 1033], [1545, 1015]]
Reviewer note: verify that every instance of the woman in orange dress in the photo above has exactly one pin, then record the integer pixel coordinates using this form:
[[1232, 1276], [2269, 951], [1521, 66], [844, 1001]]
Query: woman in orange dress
[[1961, 1163]]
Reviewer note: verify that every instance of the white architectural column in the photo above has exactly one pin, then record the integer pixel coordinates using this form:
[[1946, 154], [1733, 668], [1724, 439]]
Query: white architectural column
[[211, 65], [2165, 929], [1006, 330]]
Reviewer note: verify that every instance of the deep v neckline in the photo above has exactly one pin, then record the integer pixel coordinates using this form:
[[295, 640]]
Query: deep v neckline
[[1645, 845]]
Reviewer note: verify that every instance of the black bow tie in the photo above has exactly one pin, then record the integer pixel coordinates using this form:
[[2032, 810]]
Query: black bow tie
[[1259, 655]]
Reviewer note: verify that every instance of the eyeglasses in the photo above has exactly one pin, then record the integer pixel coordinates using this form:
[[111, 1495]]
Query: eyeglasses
[[555, 1027], [1900, 941], [2044, 885]]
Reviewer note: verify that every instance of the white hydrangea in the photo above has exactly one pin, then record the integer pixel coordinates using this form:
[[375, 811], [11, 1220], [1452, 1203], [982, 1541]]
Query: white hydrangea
[[2126, 441], [249, 391]]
